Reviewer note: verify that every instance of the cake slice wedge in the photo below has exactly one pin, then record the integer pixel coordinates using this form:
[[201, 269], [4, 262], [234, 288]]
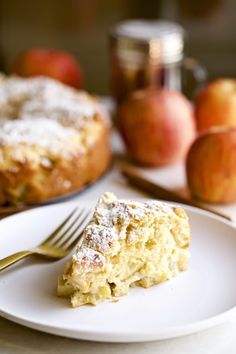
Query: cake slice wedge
[[126, 244]]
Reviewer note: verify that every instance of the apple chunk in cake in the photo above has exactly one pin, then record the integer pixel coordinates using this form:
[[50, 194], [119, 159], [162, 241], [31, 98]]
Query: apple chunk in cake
[[127, 244]]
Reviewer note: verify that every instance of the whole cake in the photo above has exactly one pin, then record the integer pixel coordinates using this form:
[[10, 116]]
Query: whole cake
[[53, 140], [127, 244]]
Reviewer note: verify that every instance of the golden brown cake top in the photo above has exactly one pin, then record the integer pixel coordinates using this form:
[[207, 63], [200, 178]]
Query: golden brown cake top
[[110, 221], [23, 98]]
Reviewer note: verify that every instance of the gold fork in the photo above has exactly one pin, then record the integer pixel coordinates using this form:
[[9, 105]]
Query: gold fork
[[59, 243]]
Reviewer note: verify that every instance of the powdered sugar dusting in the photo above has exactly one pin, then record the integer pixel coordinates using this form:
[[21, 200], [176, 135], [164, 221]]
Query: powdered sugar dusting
[[42, 132], [88, 256], [44, 112], [43, 97], [111, 219], [100, 238]]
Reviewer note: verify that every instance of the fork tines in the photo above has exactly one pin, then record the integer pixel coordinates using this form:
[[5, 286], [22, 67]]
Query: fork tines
[[67, 235]]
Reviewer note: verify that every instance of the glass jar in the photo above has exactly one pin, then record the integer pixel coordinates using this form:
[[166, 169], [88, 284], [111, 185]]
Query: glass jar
[[149, 54]]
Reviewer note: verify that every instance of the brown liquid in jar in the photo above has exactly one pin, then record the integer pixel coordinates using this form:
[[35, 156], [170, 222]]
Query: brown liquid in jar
[[127, 79], [141, 62]]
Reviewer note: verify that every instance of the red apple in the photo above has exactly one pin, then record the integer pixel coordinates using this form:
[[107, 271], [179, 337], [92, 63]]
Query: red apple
[[211, 166], [59, 65], [157, 126], [216, 104]]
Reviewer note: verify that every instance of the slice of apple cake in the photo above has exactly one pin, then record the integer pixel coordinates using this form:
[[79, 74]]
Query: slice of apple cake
[[127, 244]]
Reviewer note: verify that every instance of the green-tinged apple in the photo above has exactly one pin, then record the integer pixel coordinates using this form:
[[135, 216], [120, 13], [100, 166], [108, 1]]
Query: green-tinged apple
[[211, 166], [157, 126], [216, 104], [58, 65]]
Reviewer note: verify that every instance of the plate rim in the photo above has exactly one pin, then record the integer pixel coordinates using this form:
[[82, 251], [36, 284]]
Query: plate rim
[[122, 337]]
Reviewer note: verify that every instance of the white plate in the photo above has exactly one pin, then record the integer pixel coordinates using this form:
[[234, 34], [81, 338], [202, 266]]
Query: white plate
[[199, 298]]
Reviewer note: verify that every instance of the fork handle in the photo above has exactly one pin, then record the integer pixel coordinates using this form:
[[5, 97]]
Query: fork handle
[[13, 258]]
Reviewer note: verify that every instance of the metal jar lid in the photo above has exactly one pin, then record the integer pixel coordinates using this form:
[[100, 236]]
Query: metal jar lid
[[142, 41]]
